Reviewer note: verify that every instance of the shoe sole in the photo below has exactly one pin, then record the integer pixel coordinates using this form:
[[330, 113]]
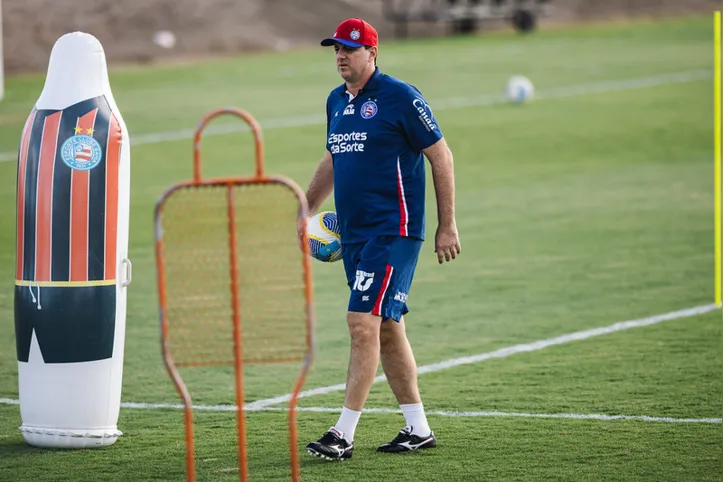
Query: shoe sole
[[326, 457], [428, 445]]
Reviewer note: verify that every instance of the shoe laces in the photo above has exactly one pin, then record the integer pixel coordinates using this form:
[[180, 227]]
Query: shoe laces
[[403, 434], [330, 437]]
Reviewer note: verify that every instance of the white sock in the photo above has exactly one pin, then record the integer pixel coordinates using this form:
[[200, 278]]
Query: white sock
[[416, 419], [347, 423]]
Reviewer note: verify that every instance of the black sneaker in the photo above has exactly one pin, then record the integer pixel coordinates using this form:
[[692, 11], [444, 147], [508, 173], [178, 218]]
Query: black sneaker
[[331, 446], [405, 441]]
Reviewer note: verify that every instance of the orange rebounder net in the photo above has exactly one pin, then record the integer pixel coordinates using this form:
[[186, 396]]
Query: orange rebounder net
[[234, 282]]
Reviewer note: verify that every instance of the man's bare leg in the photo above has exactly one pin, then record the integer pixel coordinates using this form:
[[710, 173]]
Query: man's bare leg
[[363, 363], [401, 371], [364, 358], [398, 362]]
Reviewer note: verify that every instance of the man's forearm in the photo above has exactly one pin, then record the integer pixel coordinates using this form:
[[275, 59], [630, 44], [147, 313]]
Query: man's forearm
[[442, 164], [322, 183]]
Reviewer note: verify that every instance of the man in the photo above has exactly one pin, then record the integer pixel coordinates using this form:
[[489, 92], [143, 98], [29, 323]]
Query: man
[[378, 129]]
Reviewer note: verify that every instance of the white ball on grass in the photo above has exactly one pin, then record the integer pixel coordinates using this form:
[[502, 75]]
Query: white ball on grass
[[519, 89]]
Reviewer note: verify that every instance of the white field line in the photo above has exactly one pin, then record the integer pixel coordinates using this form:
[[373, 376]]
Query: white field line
[[509, 351], [574, 416], [441, 413], [265, 405], [440, 104]]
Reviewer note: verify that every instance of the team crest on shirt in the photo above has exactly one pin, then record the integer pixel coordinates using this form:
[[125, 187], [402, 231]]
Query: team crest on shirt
[[81, 152], [369, 109], [354, 35]]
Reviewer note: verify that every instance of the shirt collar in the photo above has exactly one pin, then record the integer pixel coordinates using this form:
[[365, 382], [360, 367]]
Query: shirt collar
[[372, 83]]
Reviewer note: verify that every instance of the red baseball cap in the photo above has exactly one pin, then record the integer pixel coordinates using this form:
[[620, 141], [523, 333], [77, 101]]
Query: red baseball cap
[[355, 33]]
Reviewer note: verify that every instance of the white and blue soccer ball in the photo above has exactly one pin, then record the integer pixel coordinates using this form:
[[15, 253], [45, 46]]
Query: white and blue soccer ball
[[519, 89], [322, 232]]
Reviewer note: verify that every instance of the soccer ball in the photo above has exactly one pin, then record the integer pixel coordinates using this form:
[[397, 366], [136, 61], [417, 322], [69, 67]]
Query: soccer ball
[[519, 89], [322, 231]]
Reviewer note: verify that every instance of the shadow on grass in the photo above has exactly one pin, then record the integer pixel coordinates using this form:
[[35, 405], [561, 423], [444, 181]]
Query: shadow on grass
[[19, 448]]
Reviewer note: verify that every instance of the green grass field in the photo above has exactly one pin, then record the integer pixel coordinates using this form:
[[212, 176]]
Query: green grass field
[[589, 206]]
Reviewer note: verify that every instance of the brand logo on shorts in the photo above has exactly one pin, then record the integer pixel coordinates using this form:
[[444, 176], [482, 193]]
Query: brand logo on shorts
[[363, 280], [401, 297]]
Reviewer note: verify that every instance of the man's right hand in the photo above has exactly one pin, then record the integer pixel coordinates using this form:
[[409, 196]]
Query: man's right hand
[[322, 183], [301, 230]]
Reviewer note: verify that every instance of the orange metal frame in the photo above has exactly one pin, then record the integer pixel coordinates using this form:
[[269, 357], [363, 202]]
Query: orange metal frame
[[259, 178]]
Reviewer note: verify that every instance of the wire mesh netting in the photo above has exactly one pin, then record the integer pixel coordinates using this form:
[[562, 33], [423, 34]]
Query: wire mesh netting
[[197, 264]]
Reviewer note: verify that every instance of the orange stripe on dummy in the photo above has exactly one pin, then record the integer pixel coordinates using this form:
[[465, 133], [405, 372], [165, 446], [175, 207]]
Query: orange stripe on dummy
[[79, 193], [44, 211]]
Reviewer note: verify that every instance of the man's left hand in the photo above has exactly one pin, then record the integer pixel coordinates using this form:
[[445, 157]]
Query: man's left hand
[[446, 244]]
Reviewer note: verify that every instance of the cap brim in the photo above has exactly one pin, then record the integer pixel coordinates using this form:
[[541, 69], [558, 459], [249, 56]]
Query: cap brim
[[328, 42]]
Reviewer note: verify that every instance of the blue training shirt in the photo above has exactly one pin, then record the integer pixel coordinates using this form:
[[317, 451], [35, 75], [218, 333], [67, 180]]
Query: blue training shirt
[[376, 143]]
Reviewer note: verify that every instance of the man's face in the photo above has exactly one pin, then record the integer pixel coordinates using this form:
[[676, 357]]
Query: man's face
[[352, 62]]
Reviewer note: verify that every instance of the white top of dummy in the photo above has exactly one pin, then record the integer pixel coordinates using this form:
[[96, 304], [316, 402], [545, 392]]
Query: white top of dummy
[[77, 71]]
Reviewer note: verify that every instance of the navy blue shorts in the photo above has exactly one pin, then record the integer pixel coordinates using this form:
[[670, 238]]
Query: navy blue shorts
[[379, 272]]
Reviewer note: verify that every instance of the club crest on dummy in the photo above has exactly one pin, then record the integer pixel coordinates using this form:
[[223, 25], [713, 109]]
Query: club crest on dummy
[[81, 152]]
